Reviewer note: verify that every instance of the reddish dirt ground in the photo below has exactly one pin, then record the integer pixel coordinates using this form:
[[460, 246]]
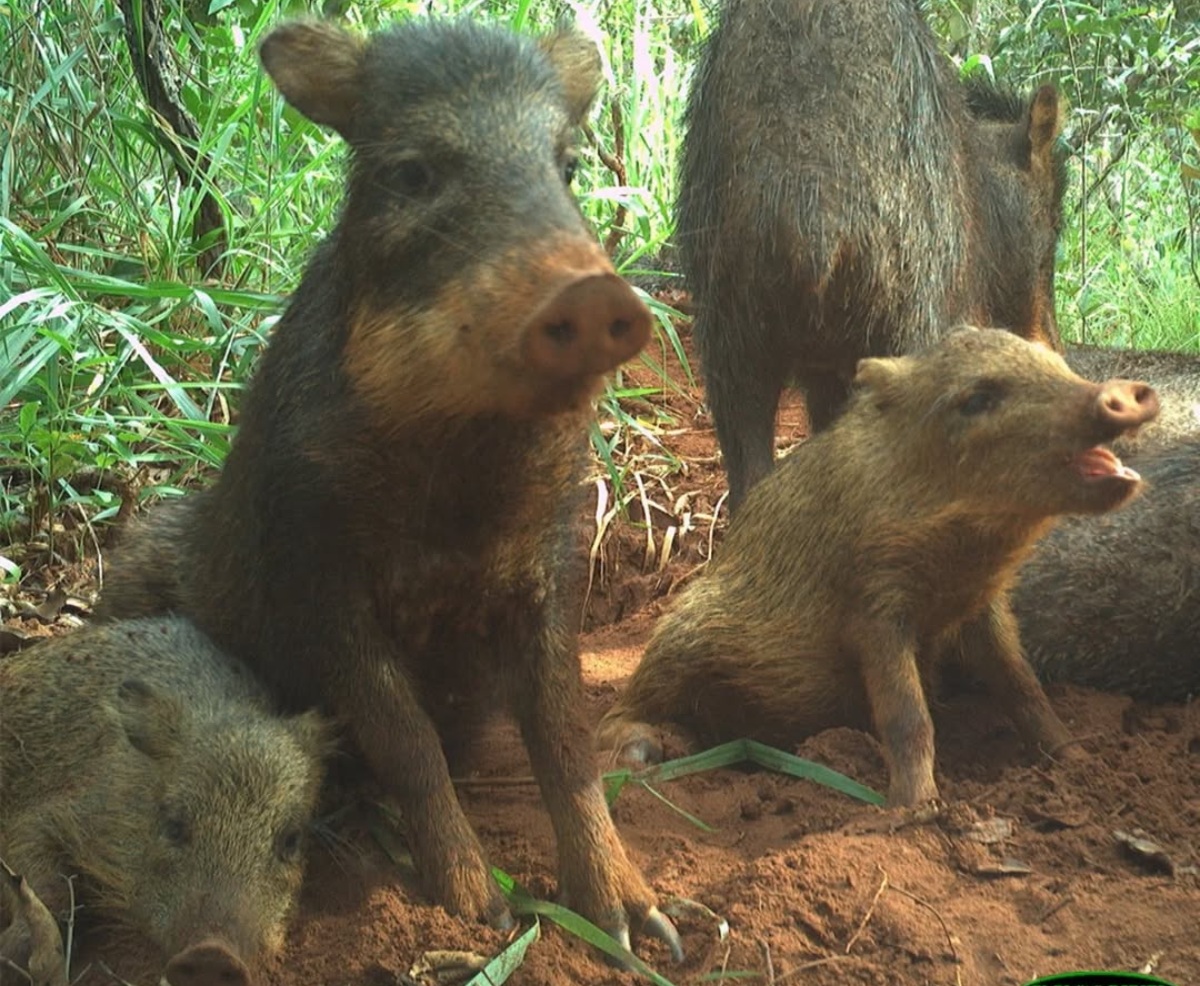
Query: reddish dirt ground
[[816, 888]]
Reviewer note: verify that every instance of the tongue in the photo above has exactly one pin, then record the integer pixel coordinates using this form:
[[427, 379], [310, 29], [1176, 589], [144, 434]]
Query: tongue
[[1100, 463]]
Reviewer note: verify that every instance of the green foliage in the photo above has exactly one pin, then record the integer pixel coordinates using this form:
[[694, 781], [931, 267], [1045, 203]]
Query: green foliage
[[116, 353], [1130, 74], [128, 358]]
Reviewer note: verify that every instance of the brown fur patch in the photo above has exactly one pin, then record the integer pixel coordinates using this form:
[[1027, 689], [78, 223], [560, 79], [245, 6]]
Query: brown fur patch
[[460, 355]]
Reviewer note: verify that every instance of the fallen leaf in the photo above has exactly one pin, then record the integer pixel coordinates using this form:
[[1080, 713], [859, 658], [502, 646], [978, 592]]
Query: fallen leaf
[[1145, 850]]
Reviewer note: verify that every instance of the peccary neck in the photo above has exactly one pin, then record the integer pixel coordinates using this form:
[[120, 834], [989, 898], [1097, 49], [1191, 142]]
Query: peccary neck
[[308, 445]]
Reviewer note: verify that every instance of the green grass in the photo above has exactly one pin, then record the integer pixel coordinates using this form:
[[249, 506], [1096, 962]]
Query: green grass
[[115, 354]]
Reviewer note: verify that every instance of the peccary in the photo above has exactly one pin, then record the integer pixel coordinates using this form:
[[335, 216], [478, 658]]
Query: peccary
[[1113, 602], [139, 758], [391, 536], [883, 546], [841, 195]]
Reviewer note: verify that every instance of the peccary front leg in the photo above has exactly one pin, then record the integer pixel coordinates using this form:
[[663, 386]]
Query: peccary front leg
[[991, 649], [596, 876], [899, 710], [402, 747]]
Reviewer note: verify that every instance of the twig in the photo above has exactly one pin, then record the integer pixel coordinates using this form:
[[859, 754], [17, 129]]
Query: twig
[[870, 910], [945, 930], [827, 960], [766, 950], [176, 129], [7, 963], [1069, 899], [70, 926], [615, 162]]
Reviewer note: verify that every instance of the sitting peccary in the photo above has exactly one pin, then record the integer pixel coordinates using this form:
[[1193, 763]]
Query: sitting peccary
[[883, 546], [141, 759], [392, 537]]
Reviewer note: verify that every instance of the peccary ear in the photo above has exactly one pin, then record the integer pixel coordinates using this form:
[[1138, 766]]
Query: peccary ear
[[1042, 126], [314, 733], [318, 69], [151, 720], [877, 374], [576, 59]]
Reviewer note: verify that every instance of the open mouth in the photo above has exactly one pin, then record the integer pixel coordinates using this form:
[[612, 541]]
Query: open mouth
[[1100, 463]]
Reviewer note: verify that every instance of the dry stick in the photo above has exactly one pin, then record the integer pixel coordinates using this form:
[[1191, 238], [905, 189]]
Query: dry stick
[[6, 963], [615, 162], [817, 962], [766, 949], [70, 945], [933, 910], [597, 542], [870, 910], [1069, 899], [158, 77]]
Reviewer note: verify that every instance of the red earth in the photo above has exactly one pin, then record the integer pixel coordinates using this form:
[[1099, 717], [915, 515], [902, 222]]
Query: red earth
[[1022, 875]]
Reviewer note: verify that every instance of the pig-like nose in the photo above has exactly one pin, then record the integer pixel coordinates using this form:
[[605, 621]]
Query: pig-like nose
[[209, 963], [586, 328], [1127, 404]]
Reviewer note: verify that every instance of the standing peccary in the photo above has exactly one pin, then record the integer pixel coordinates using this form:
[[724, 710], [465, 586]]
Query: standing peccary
[[1174, 376], [391, 535], [141, 759], [842, 196], [1114, 602], [880, 547]]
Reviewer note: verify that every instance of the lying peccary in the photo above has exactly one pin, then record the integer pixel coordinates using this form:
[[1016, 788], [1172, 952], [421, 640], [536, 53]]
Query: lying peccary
[[1174, 376], [1114, 602], [884, 545], [141, 759], [392, 534]]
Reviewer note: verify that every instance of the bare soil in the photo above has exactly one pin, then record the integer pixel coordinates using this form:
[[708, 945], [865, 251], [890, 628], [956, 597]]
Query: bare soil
[[1022, 875]]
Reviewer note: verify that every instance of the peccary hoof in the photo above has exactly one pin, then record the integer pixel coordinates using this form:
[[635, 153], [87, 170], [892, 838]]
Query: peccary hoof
[[209, 963], [638, 746]]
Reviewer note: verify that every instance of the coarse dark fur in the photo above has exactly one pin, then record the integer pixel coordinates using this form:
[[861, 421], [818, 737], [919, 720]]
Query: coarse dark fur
[[838, 199], [390, 536], [139, 758]]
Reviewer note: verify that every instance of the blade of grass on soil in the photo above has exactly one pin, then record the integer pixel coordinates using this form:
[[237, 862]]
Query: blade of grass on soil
[[508, 961], [523, 902], [742, 751]]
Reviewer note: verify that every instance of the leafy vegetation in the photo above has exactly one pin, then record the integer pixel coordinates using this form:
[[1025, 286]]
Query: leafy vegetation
[[118, 355]]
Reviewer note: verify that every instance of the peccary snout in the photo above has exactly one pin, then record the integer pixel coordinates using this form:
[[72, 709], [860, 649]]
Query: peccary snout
[[591, 325], [1126, 404], [208, 963]]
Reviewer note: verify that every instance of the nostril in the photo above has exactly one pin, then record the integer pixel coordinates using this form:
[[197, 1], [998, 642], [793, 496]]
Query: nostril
[[620, 328], [1143, 393], [561, 333]]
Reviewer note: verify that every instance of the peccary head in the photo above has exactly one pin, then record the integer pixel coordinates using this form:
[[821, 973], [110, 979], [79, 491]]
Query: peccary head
[[992, 423], [1025, 178], [468, 282], [210, 852]]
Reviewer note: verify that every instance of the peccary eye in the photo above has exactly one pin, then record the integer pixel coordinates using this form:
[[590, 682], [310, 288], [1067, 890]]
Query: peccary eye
[[570, 166], [290, 842], [412, 177], [175, 830], [985, 396]]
